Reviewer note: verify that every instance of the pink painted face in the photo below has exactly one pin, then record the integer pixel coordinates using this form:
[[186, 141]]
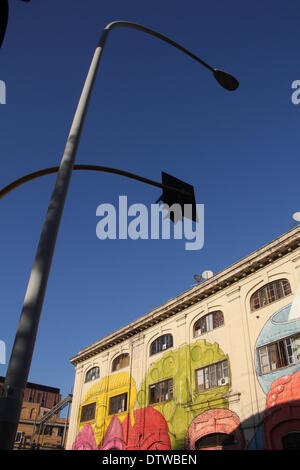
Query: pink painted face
[[85, 439], [149, 432], [284, 390]]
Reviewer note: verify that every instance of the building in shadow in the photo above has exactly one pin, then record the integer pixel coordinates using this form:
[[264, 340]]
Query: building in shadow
[[38, 426]]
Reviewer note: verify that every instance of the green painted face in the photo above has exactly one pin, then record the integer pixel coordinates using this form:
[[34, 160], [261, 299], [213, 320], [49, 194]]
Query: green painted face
[[187, 403]]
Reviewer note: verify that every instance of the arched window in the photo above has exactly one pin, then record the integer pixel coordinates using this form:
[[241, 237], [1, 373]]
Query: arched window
[[215, 441], [208, 322], [291, 441], [161, 344], [92, 374], [269, 293], [120, 362]]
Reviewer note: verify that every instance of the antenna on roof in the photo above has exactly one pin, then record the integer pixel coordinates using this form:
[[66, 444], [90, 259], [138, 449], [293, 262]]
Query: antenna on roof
[[296, 216], [204, 276], [207, 275]]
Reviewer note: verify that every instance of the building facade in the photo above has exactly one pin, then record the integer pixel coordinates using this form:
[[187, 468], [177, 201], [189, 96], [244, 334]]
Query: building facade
[[39, 400], [217, 367]]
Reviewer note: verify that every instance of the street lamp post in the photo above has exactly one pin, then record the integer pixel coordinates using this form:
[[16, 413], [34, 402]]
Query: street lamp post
[[21, 356]]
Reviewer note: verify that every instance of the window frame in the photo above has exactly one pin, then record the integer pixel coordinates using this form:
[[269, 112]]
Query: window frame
[[158, 341], [88, 418], [48, 429], [209, 320], [270, 293], [281, 354], [123, 356], [170, 390], [110, 412], [19, 435], [209, 374], [96, 377]]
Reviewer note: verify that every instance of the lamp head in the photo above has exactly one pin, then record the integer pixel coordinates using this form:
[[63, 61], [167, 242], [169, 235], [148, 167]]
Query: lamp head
[[226, 80]]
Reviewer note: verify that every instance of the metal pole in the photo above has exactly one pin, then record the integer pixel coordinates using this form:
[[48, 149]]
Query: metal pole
[[20, 360], [65, 427]]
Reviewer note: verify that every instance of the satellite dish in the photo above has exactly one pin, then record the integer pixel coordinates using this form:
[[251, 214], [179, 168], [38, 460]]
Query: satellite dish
[[296, 216], [207, 275], [197, 278]]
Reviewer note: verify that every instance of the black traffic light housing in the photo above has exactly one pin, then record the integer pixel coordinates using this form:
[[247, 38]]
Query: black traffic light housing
[[4, 18], [176, 191]]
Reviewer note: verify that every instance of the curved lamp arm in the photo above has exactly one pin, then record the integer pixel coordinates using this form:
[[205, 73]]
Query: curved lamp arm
[[225, 79], [54, 169]]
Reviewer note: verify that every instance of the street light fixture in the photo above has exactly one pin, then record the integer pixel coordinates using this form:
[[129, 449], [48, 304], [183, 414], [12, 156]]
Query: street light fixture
[[20, 359], [175, 191]]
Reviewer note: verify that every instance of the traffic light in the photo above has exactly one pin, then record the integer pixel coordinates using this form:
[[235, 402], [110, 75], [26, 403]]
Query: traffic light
[[4, 18], [176, 191]]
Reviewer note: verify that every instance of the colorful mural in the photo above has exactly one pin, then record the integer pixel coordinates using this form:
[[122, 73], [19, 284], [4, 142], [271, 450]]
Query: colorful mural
[[162, 425], [281, 385], [279, 326], [100, 393], [211, 423], [192, 415], [181, 365]]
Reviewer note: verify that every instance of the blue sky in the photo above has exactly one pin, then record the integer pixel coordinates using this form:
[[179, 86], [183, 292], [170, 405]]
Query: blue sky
[[152, 109]]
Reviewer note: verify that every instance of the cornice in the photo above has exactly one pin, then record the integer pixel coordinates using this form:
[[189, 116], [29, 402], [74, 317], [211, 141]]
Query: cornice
[[243, 268]]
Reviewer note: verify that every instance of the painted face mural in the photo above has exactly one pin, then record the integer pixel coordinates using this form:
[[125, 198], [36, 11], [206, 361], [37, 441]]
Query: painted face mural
[[181, 385], [277, 349], [191, 393], [277, 363], [280, 426], [149, 432], [94, 407], [217, 429]]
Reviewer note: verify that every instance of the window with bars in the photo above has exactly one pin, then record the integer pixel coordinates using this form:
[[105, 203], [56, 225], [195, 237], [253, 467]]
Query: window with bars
[[161, 391], [280, 354], [120, 362], [208, 323], [92, 374], [215, 375], [118, 404], [270, 293], [161, 344], [88, 412]]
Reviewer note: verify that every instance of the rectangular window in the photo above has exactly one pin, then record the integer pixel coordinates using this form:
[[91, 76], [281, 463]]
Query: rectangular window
[[277, 355], [118, 404], [161, 391], [215, 375], [18, 437], [88, 412], [48, 431], [60, 432]]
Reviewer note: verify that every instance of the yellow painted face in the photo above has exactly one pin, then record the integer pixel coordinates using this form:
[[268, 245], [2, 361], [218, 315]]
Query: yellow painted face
[[100, 393]]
